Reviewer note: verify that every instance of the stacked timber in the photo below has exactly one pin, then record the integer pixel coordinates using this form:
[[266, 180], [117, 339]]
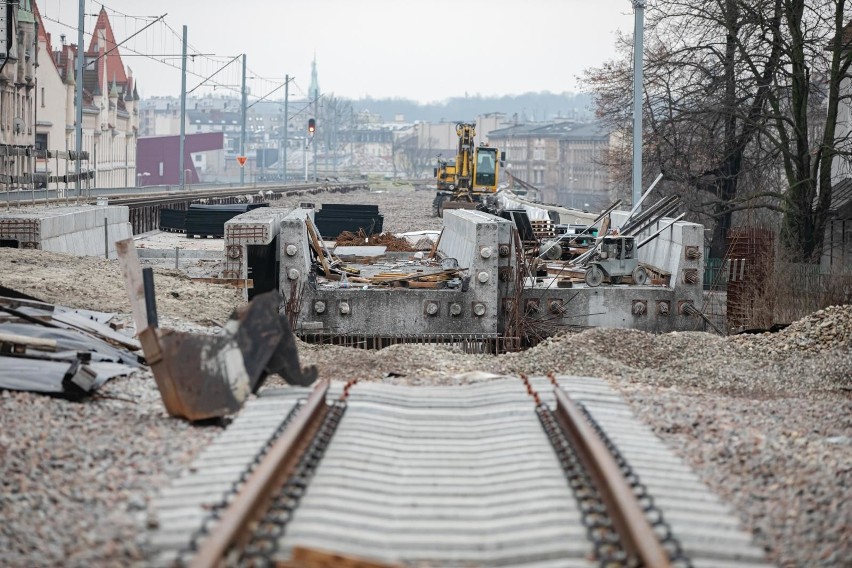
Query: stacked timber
[[543, 229], [417, 279]]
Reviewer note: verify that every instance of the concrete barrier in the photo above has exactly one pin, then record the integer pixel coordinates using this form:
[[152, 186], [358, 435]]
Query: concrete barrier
[[78, 230]]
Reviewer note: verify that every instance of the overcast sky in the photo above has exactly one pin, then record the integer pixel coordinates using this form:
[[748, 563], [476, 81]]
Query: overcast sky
[[423, 50]]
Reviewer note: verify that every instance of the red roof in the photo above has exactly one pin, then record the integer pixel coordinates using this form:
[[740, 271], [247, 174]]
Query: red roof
[[114, 65]]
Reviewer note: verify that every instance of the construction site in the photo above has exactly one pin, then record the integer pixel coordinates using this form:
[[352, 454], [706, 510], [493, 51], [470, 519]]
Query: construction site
[[135, 339]]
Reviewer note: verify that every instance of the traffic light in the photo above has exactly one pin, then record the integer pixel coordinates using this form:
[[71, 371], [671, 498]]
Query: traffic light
[[312, 125]]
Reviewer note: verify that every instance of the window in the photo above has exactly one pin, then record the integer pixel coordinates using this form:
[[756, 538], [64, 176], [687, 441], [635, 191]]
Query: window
[[485, 166], [41, 141]]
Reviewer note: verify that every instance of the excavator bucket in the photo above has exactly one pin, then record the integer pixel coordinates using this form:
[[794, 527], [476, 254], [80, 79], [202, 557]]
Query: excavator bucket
[[209, 376]]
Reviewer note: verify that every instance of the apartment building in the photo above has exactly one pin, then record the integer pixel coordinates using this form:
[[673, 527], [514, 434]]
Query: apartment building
[[564, 160]]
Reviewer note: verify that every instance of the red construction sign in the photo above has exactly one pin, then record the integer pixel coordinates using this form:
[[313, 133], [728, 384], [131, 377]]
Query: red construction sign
[[241, 160]]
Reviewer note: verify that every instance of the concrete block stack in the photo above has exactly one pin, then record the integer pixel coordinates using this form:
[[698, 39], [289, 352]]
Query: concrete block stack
[[81, 230]]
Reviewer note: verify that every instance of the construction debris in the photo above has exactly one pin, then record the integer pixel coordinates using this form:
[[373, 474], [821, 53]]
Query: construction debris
[[55, 350], [390, 242]]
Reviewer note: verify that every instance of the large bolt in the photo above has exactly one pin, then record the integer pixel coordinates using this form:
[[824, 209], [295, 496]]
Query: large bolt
[[639, 308], [486, 252], [234, 251], [293, 274], [455, 309], [483, 277], [663, 308], [504, 250], [432, 308], [556, 306], [344, 308], [319, 306], [291, 250], [479, 309]]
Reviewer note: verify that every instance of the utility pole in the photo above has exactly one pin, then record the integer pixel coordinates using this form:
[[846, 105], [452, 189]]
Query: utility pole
[[243, 126], [306, 158], [316, 106], [78, 127], [183, 113], [286, 126], [638, 36]]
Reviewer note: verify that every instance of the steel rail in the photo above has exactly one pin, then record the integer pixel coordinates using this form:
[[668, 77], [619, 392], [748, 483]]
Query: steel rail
[[234, 528], [207, 193], [635, 532]]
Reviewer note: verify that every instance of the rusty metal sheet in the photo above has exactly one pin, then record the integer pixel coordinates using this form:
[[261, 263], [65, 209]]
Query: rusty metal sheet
[[202, 377], [74, 340]]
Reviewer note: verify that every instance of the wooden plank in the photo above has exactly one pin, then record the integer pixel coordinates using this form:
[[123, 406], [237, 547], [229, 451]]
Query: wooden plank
[[434, 250], [23, 302], [317, 247], [234, 282], [34, 342], [655, 269], [131, 270], [303, 557], [418, 284]]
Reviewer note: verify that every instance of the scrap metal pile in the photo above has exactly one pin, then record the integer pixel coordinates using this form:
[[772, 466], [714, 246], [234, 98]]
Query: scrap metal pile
[[70, 353], [600, 253], [57, 350]]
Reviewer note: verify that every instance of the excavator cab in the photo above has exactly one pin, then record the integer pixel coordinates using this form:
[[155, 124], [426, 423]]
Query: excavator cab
[[485, 170]]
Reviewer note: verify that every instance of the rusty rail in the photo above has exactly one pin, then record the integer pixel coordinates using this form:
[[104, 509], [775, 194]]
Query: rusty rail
[[635, 532], [234, 528]]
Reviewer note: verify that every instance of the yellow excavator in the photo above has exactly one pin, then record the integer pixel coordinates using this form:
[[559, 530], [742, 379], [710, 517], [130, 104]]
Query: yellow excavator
[[474, 174]]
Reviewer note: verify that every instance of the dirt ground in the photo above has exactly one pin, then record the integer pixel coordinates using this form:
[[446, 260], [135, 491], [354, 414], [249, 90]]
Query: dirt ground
[[97, 284]]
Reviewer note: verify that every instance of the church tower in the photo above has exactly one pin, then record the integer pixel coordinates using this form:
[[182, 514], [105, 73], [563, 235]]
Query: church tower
[[314, 90]]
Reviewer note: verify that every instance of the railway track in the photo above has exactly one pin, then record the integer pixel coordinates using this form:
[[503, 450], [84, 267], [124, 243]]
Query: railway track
[[145, 205], [539, 472]]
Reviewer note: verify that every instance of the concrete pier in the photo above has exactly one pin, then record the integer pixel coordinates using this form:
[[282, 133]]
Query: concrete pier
[[492, 299]]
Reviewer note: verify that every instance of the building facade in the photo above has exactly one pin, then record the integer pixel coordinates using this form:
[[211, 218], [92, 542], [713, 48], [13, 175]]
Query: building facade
[[110, 99], [563, 160], [18, 93]]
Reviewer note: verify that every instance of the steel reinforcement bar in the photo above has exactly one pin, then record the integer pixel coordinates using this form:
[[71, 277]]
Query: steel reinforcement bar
[[235, 527], [629, 521]]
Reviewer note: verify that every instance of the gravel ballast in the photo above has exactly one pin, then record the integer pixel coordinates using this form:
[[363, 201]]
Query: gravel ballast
[[765, 420]]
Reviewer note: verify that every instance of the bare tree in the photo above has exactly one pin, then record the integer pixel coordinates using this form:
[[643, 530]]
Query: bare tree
[[709, 72], [741, 109], [818, 51]]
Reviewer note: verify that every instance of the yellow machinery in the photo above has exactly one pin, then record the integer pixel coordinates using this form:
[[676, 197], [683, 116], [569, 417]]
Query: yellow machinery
[[461, 185]]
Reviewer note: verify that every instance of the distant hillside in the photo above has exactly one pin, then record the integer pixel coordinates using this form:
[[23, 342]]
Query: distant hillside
[[528, 107]]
